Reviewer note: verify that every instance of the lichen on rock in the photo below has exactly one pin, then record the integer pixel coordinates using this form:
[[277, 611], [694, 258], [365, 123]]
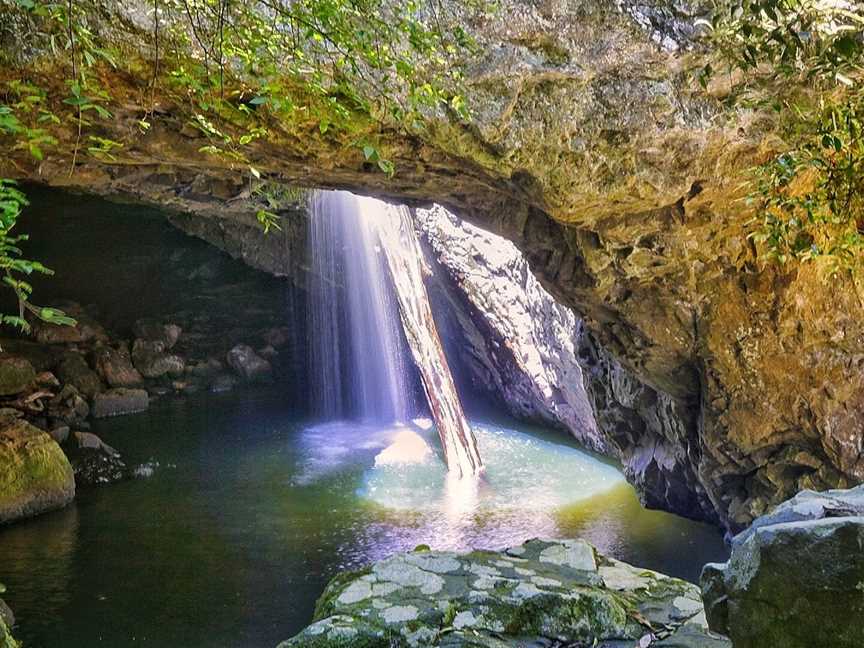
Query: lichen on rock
[[543, 590]]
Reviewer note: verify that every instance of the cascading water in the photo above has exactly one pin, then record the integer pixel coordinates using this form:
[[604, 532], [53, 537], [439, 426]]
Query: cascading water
[[357, 355], [367, 276]]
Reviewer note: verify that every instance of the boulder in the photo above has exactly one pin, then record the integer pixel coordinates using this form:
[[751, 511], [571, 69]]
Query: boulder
[[152, 330], [35, 475], [248, 364], [120, 400], [794, 578], [114, 365], [16, 375], [6, 615], [74, 370], [152, 361], [542, 593]]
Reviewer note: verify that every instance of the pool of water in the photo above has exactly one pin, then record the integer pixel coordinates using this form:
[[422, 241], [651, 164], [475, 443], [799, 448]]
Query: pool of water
[[251, 510]]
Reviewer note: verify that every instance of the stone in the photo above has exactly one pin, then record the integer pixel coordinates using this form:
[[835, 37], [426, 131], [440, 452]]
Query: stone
[[431, 599], [60, 433], [152, 361], [114, 365], [118, 401], [86, 329], [75, 371], [248, 364], [795, 578], [35, 475], [153, 330], [16, 375]]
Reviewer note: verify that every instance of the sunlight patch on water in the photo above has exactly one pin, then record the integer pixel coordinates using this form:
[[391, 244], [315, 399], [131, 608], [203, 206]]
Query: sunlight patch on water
[[522, 472]]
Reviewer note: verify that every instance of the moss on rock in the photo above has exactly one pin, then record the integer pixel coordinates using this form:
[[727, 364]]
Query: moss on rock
[[35, 475]]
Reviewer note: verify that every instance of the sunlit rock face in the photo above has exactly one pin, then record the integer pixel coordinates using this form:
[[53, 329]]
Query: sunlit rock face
[[593, 149], [538, 359]]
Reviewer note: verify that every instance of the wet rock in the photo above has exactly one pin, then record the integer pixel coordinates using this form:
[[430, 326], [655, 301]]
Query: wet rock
[[794, 578], [118, 401], [16, 375], [35, 475], [95, 462], [75, 371], [248, 364], [114, 365], [542, 593], [207, 367], [152, 361], [153, 330]]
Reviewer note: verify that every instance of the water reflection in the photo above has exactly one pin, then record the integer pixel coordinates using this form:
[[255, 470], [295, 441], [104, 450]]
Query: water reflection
[[232, 546]]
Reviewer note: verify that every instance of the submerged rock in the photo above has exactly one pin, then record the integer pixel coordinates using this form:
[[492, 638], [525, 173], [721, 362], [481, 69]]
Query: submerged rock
[[16, 375], [121, 400], [542, 593], [248, 364], [95, 462], [795, 577], [35, 475]]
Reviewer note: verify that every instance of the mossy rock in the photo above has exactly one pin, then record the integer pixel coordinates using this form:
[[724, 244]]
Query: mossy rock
[[35, 475], [16, 375], [541, 591]]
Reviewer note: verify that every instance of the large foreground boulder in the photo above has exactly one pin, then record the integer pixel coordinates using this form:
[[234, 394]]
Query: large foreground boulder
[[796, 577], [542, 593], [35, 475]]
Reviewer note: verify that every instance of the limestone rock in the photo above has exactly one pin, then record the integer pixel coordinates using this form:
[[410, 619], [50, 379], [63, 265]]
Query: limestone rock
[[541, 593], [120, 400], [35, 475], [248, 364], [115, 365], [16, 375], [86, 329], [795, 577]]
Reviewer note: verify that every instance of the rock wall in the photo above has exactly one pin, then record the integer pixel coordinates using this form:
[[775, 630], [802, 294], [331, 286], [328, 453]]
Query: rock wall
[[591, 147], [542, 364]]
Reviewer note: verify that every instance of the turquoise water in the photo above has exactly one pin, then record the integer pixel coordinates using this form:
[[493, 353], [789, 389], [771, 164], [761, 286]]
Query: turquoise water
[[251, 511]]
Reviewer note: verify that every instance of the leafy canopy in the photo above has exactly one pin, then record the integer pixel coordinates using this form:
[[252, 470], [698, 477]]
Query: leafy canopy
[[804, 60]]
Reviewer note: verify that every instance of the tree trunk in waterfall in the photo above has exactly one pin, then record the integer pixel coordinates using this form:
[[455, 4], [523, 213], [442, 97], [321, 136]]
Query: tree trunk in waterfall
[[405, 260]]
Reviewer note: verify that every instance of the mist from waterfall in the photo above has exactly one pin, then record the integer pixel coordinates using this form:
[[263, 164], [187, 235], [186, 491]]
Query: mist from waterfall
[[359, 364]]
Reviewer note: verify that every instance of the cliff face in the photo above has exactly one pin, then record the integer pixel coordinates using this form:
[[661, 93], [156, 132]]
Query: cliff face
[[594, 152]]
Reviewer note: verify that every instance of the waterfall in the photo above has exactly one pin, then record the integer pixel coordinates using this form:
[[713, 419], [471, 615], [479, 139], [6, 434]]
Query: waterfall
[[366, 279], [358, 358]]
